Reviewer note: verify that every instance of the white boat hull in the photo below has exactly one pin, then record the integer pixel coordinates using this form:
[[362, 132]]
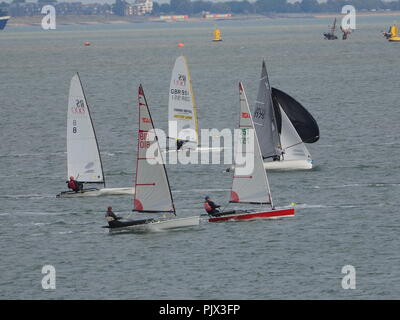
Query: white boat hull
[[160, 225], [97, 192], [289, 165]]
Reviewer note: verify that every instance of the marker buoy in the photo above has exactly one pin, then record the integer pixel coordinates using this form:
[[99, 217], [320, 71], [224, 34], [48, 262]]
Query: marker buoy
[[87, 43], [180, 44]]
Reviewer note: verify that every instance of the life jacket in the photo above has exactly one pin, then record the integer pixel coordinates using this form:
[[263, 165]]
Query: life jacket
[[72, 185], [109, 218], [207, 207]]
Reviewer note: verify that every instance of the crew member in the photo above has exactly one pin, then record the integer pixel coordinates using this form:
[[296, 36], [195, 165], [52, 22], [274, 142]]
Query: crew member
[[74, 185], [112, 219], [211, 207]]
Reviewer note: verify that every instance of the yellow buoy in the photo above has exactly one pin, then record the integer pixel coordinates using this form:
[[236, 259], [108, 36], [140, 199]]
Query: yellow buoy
[[394, 34], [217, 35]]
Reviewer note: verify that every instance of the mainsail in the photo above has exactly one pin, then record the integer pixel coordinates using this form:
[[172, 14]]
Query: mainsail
[[181, 105], [254, 187], [83, 157], [264, 119], [302, 120], [152, 190]]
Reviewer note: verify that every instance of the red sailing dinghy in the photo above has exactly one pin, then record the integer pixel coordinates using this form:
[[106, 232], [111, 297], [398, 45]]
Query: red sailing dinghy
[[253, 187]]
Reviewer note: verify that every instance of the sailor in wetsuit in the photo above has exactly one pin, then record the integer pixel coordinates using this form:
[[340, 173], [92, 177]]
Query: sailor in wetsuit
[[112, 219], [211, 207]]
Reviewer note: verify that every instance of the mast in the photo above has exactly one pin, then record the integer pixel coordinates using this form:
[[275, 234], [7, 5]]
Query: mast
[[152, 188]]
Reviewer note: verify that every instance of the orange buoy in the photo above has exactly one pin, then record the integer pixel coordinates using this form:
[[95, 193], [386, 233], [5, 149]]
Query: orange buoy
[[180, 44]]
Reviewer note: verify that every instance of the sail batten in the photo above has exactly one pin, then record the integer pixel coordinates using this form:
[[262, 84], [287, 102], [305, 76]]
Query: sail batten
[[83, 156], [152, 189], [250, 187]]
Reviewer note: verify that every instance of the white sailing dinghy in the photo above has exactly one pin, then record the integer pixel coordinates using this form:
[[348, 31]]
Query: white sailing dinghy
[[153, 193], [250, 188], [182, 114], [83, 156], [283, 150]]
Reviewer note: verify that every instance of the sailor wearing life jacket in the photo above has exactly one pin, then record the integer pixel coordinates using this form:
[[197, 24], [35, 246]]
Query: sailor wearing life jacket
[[210, 206], [73, 184], [111, 218]]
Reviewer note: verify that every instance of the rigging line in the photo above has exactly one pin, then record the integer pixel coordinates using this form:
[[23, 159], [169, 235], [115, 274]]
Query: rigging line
[[305, 141]]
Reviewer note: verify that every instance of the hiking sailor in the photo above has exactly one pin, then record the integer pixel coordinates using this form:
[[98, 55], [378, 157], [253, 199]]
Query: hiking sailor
[[211, 207]]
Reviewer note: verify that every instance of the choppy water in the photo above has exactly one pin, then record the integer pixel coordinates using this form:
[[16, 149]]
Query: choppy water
[[347, 207]]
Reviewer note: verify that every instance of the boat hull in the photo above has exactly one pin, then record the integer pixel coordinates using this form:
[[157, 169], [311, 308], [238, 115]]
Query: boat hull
[[94, 192], [289, 165], [160, 225], [3, 21], [273, 214]]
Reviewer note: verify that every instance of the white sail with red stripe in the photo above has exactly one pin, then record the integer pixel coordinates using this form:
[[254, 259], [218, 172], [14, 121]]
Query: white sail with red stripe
[[253, 187], [152, 190]]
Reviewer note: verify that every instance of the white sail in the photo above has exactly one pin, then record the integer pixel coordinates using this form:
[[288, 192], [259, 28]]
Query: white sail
[[292, 145], [181, 105], [152, 191], [83, 157], [254, 187]]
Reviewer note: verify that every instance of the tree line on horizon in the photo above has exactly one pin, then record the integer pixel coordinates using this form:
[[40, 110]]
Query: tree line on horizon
[[188, 7], [269, 6]]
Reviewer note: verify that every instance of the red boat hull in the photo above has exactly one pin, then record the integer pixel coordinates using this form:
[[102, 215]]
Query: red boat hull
[[254, 215]]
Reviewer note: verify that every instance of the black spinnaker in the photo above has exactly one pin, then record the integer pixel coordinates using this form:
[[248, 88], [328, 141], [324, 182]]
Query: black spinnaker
[[302, 120]]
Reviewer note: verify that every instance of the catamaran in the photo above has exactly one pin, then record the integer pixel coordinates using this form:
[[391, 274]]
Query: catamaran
[[153, 192], [182, 114], [83, 156], [250, 188], [283, 126]]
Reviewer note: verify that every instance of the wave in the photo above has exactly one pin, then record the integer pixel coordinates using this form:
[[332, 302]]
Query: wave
[[26, 196], [361, 185], [22, 155]]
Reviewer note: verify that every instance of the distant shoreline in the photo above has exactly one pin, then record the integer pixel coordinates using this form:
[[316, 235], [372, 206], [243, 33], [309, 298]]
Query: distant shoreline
[[111, 19]]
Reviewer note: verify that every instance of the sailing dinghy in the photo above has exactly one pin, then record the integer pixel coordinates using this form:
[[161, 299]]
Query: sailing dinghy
[[281, 146], [182, 114], [83, 156], [250, 188], [153, 193]]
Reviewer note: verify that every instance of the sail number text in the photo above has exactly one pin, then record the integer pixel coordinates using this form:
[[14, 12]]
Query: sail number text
[[143, 140]]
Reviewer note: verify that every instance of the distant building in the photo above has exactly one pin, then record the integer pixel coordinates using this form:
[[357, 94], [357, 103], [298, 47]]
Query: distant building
[[139, 8]]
